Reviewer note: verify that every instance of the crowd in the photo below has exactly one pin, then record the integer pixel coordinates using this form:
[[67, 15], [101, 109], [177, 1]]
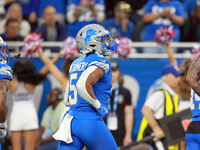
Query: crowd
[[138, 21]]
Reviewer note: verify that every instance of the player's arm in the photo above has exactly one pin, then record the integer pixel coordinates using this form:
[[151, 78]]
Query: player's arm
[[84, 85], [193, 76], [66, 101], [4, 86]]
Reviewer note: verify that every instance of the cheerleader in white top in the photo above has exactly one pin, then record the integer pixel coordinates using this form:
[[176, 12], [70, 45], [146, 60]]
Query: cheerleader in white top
[[24, 118]]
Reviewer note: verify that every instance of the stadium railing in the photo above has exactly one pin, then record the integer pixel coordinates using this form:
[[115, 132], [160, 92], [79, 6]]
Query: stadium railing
[[136, 47]]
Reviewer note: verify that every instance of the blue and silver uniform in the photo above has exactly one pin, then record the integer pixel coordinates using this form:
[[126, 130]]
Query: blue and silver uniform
[[86, 127], [5, 71], [102, 89], [195, 106], [192, 136]]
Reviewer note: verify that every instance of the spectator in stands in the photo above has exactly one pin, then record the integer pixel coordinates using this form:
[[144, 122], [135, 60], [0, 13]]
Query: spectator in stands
[[12, 31], [120, 109], [83, 12], [2, 9], [51, 30], [191, 28], [15, 12], [135, 5], [29, 9], [158, 13], [50, 121], [60, 6], [120, 25]]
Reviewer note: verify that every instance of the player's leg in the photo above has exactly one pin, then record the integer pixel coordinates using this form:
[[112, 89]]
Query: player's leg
[[192, 136], [16, 139], [193, 141], [30, 139], [75, 145], [96, 136], [48, 146]]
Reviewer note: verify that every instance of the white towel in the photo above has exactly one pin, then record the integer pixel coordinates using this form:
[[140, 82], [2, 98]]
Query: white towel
[[64, 132]]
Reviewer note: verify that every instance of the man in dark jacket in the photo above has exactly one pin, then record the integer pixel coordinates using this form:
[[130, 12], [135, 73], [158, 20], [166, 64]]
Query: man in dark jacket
[[51, 30]]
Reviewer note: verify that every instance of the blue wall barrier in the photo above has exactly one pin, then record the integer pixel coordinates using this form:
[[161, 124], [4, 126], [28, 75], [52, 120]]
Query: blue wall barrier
[[144, 72]]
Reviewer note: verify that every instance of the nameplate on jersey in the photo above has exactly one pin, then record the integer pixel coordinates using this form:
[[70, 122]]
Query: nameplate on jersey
[[78, 67]]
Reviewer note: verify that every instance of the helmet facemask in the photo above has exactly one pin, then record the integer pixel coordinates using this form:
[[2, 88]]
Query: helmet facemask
[[109, 45]]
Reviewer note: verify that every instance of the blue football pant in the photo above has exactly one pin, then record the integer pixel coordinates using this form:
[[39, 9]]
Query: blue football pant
[[94, 134], [193, 141]]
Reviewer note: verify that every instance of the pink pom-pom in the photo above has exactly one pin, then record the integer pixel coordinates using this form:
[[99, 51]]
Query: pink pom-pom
[[123, 47], [164, 35], [195, 51], [69, 47], [32, 43]]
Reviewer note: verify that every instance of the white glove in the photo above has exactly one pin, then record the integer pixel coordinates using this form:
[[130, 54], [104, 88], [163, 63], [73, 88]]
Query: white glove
[[3, 131]]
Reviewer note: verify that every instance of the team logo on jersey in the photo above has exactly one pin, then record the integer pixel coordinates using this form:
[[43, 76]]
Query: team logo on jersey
[[89, 33]]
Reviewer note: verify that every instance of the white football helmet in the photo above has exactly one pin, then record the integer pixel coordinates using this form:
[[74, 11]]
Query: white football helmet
[[95, 38], [4, 51]]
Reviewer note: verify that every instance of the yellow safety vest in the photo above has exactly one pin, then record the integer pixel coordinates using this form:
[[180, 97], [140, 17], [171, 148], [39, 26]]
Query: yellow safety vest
[[170, 107]]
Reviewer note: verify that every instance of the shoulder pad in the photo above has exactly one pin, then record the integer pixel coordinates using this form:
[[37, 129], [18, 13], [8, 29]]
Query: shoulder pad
[[6, 70], [101, 63]]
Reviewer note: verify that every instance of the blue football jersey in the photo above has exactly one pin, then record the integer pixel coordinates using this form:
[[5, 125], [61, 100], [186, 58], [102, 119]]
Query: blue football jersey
[[5, 71], [195, 106], [80, 108]]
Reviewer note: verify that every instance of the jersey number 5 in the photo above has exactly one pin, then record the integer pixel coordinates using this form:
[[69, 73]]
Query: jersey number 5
[[72, 88]]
